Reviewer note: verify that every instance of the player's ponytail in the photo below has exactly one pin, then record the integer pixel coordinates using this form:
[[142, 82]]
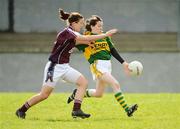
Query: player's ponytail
[[63, 15], [70, 17], [88, 26]]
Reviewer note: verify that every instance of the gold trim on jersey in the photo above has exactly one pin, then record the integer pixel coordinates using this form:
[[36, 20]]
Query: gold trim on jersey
[[88, 52], [94, 70]]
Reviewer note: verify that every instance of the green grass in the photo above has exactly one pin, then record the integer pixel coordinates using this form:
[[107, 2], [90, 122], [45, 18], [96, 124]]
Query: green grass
[[156, 111]]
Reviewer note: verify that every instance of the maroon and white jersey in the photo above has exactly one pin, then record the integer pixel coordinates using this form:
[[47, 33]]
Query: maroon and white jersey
[[62, 48]]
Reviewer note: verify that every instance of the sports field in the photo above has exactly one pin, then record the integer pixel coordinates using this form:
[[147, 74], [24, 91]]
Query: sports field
[[156, 111]]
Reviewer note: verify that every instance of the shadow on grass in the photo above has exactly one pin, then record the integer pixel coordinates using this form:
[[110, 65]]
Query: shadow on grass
[[71, 119], [85, 120], [54, 120]]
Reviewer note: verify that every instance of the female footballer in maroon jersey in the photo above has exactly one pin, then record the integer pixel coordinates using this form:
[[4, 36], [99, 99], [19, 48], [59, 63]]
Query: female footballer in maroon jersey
[[58, 65]]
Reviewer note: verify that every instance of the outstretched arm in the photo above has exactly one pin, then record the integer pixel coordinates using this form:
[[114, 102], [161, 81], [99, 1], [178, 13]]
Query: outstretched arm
[[90, 43], [83, 42], [116, 55], [95, 37]]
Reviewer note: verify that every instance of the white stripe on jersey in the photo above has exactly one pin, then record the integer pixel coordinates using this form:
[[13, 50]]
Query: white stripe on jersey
[[62, 50]]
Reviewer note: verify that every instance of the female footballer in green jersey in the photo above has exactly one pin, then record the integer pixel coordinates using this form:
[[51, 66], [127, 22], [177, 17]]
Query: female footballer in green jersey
[[99, 58]]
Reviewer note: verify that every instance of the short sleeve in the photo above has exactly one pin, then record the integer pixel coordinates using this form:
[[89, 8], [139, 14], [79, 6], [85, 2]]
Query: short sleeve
[[72, 34]]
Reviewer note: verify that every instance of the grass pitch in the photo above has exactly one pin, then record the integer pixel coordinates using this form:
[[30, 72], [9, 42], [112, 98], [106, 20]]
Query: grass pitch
[[156, 111]]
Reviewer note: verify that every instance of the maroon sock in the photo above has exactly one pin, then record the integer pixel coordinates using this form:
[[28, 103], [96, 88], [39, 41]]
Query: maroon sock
[[77, 105], [24, 107]]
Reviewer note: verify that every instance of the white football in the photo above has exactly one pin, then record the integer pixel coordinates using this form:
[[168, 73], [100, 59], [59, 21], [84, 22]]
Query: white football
[[136, 68]]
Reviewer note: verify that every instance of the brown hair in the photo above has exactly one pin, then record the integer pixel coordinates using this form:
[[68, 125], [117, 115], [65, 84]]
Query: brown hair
[[92, 22], [71, 17]]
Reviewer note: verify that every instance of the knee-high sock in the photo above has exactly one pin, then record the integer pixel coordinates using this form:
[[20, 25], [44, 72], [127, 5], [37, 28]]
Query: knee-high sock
[[77, 105], [24, 107], [121, 100]]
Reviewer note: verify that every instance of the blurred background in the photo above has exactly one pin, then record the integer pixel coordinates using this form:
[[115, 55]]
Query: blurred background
[[150, 33]]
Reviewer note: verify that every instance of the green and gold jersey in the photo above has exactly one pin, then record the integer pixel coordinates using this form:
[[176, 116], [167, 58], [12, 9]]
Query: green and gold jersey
[[100, 51]]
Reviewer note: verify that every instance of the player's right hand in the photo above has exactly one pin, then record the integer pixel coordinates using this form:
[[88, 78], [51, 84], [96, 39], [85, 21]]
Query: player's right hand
[[49, 76], [111, 32], [50, 72], [91, 44]]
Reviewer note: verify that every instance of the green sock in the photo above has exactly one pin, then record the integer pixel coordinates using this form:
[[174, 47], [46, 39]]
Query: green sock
[[87, 94], [121, 100]]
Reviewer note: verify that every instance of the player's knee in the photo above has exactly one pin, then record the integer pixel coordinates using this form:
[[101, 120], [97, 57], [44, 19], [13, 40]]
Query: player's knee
[[82, 81], [99, 95], [85, 82], [44, 96]]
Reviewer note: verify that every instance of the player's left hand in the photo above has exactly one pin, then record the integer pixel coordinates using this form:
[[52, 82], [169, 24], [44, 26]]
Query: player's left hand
[[126, 69], [111, 32]]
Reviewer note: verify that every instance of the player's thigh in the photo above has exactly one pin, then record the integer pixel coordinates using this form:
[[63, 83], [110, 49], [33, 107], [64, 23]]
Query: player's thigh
[[100, 87], [73, 76], [99, 67], [58, 72], [82, 81], [109, 79]]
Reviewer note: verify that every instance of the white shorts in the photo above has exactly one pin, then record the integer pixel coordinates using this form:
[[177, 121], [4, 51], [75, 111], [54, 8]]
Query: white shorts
[[61, 71], [100, 67]]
